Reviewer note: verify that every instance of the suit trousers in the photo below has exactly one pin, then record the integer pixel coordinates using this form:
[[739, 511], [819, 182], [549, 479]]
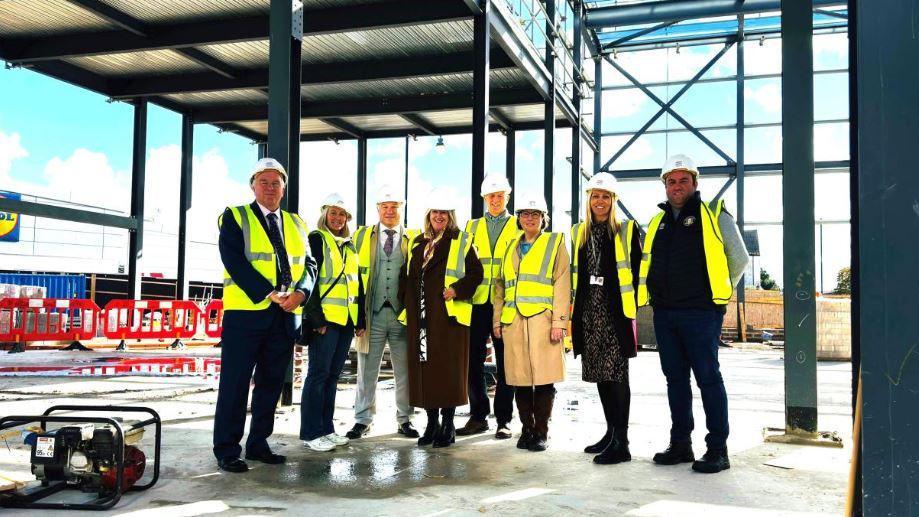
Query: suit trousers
[[479, 332], [384, 328]]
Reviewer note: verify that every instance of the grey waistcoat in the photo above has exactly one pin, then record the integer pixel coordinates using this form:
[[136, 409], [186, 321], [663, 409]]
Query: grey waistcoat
[[386, 279]]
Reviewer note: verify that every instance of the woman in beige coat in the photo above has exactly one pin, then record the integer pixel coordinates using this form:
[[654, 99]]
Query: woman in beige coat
[[532, 298]]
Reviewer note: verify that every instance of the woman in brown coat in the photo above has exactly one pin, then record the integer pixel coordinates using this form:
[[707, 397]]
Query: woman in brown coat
[[443, 273], [531, 301]]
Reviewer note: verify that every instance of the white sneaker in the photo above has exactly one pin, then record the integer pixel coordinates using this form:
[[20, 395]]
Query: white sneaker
[[321, 444], [337, 439]]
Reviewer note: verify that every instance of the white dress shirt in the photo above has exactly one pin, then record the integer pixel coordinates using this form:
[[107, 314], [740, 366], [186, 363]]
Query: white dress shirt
[[382, 236], [277, 214]]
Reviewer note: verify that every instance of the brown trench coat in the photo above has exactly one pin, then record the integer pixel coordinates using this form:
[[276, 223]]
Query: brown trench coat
[[442, 380], [530, 358]]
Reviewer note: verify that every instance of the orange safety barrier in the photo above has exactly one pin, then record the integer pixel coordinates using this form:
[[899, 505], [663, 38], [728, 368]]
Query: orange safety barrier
[[151, 319], [47, 319], [213, 318]]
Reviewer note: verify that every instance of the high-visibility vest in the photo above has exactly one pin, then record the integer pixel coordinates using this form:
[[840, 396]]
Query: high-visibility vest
[[623, 244], [456, 269], [340, 304], [362, 238], [490, 257], [716, 261], [529, 291], [261, 255]]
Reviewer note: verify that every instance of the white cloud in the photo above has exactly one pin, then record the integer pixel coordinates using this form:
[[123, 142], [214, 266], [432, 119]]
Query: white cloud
[[10, 150], [87, 177], [768, 96]]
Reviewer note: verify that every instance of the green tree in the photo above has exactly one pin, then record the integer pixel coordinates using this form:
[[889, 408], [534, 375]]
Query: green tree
[[844, 281], [766, 281]]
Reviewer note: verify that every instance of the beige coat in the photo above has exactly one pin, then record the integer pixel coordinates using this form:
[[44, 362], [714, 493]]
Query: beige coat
[[530, 358], [362, 344]]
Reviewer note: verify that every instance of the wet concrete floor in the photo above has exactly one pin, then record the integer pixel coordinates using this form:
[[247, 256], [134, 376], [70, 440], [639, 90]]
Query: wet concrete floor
[[385, 474]]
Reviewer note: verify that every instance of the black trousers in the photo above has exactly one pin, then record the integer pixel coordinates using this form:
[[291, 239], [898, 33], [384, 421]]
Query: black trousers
[[479, 332]]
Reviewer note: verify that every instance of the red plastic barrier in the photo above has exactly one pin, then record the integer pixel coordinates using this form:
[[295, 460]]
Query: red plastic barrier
[[151, 319], [213, 318], [47, 319]]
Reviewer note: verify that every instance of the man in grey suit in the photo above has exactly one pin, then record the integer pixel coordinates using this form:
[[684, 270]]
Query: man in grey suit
[[382, 250]]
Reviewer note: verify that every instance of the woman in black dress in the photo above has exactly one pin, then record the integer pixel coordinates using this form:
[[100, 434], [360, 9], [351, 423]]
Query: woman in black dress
[[606, 256]]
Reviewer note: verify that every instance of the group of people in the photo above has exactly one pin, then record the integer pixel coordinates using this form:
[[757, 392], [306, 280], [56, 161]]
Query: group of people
[[437, 296]]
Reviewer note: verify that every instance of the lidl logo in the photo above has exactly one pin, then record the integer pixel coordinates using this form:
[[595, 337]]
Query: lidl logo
[[9, 222]]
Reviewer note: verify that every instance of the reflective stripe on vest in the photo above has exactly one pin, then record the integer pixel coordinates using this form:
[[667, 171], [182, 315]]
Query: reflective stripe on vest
[[363, 238], [340, 304], [260, 253], [490, 257], [623, 251], [530, 290], [456, 269], [716, 261]]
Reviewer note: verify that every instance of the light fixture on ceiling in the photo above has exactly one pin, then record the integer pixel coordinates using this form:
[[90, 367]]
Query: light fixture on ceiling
[[440, 146]]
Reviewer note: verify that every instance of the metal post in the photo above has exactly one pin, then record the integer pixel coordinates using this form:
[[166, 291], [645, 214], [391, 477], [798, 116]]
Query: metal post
[[739, 172], [549, 111], [261, 149], [576, 102], [279, 79], [138, 180], [480, 106], [855, 245], [185, 198], [798, 217], [361, 181], [405, 205], [598, 110], [293, 165], [510, 162]]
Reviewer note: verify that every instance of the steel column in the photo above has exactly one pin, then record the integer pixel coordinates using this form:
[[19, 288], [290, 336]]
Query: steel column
[[293, 146], [739, 174], [510, 162], [261, 149], [361, 200], [279, 79], [405, 205], [549, 111], [798, 216], [480, 87], [576, 102], [598, 111], [185, 199], [138, 181], [855, 245]]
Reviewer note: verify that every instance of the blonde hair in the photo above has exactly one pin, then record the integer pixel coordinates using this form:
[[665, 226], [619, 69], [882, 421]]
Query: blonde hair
[[611, 221], [323, 223], [451, 222]]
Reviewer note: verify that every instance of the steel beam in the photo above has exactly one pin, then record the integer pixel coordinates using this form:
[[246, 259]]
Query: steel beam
[[798, 216], [724, 171], [361, 200], [739, 174], [549, 111], [676, 10], [420, 122], [405, 182], [481, 105], [344, 126], [598, 112], [534, 125], [66, 214], [113, 16], [578, 11], [510, 162], [279, 98], [638, 34], [138, 176], [501, 119], [185, 200]]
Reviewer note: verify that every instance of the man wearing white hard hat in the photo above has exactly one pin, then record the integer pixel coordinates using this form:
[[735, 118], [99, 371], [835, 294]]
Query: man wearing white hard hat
[[333, 315], [491, 234], [442, 275], [268, 273], [693, 257], [382, 250]]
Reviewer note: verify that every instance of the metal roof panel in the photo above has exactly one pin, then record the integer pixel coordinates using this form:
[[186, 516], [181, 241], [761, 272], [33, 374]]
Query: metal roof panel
[[24, 18], [148, 62], [164, 11]]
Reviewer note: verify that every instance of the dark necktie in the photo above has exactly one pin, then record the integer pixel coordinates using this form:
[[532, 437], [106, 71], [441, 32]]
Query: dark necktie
[[387, 246], [274, 235]]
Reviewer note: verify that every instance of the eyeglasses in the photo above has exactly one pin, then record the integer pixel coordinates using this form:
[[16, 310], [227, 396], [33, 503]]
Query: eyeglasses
[[530, 213]]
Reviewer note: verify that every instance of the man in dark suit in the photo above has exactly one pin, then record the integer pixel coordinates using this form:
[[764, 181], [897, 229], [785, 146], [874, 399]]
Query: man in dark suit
[[268, 273]]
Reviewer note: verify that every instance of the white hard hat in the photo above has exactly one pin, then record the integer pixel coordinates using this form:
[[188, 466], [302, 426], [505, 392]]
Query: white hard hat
[[440, 199], [268, 164], [335, 199], [531, 202], [495, 183], [602, 181], [679, 162], [388, 194]]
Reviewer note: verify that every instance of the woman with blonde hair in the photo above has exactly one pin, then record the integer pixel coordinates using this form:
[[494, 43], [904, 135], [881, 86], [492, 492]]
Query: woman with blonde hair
[[606, 257]]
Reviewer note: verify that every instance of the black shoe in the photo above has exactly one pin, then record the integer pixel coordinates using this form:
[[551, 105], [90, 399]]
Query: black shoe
[[617, 452], [714, 460], [232, 465], [408, 431], [503, 432], [473, 427], [601, 445], [446, 435], [677, 452], [525, 438], [429, 432], [538, 444], [357, 431], [267, 457]]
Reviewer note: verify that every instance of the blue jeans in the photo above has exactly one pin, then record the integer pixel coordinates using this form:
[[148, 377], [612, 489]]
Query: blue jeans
[[326, 354], [687, 339]]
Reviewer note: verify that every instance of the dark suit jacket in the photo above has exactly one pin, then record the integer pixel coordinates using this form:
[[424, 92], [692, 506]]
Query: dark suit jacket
[[256, 286]]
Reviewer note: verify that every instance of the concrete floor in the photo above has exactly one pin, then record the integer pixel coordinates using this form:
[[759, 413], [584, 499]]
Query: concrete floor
[[387, 475]]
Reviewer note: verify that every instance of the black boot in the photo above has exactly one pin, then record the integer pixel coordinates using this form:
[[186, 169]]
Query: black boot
[[544, 397], [618, 450], [601, 445], [524, 397], [446, 433], [714, 460], [430, 430], [677, 452]]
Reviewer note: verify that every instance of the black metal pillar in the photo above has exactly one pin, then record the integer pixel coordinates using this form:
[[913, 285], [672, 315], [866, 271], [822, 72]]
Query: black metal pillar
[[576, 102], [138, 181], [480, 106], [261, 149], [798, 216], [405, 183], [185, 198], [598, 110], [361, 181], [510, 162], [293, 165], [549, 111], [739, 172], [855, 245], [888, 108]]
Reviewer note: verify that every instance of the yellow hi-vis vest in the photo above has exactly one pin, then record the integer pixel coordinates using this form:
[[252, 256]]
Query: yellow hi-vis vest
[[716, 261], [260, 252], [529, 291], [340, 304], [623, 246], [461, 310], [362, 238], [490, 257]]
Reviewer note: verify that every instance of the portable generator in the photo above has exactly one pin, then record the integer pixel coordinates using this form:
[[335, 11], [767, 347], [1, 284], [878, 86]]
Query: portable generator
[[90, 454]]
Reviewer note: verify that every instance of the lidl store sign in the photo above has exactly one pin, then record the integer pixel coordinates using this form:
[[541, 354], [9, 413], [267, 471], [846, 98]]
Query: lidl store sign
[[9, 222]]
